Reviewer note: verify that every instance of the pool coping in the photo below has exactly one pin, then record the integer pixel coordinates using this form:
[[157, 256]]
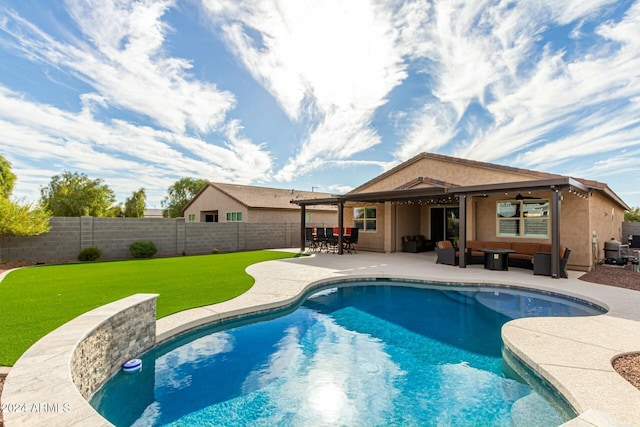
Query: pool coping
[[573, 354]]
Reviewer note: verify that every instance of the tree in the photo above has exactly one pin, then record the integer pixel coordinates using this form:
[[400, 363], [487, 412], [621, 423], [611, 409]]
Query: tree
[[15, 218], [22, 219], [179, 194], [633, 215], [135, 205], [74, 194], [7, 178]]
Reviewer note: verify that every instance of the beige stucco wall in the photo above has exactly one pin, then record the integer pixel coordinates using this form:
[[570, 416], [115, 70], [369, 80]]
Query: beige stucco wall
[[369, 241], [447, 171], [408, 221], [212, 199], [605, 225], [575, 231]]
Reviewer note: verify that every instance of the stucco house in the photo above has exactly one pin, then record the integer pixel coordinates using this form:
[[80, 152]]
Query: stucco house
[[221, 202], [449, 198]]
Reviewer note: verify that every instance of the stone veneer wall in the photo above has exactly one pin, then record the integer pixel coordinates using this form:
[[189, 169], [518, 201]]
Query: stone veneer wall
[[172, 237], [122, 337]]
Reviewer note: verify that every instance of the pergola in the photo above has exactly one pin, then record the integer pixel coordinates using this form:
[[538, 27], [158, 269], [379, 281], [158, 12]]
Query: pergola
[[556, 186]]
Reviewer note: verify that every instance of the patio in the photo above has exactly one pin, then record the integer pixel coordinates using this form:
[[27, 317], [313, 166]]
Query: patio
[[573, 354]]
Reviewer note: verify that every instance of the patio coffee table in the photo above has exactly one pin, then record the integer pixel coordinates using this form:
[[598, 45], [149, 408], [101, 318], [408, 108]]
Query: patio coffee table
[[496, 259]]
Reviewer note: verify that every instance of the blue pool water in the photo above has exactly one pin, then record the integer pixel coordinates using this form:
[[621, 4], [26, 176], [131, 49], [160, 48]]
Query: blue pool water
[[355, 355]]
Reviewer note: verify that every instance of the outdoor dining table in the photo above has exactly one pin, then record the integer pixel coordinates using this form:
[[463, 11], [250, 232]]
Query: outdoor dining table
[[345, 241], [496, 259]]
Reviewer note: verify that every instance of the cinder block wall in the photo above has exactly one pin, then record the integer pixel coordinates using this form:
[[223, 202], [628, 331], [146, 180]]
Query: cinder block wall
[[63, 242], [630, 228], [172, 237]]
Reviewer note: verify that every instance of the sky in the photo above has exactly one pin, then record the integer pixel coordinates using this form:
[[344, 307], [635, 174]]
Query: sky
[[316, 95]]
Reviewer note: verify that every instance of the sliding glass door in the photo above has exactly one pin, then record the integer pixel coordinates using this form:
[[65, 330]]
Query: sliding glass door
[[445, 224]]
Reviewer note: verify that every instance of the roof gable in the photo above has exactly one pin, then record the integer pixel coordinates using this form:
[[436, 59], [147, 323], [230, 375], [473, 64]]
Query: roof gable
[[447, 171], [421, 181]]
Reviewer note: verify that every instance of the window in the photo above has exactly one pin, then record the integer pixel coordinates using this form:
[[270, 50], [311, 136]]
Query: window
[[523, 218], [365, 219], [192, 217], [234, 216]]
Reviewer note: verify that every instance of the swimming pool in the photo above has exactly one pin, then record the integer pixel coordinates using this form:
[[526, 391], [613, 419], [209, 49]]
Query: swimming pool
[[366, 354]]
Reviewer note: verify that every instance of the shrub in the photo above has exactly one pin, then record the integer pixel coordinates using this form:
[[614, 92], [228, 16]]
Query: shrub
[[142, 249], [89, 254], [215, 251]]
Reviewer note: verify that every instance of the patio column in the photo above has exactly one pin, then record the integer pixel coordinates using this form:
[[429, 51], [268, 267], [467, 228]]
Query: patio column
[[462, 231], [303, 225], [556, 199], [340, 227]]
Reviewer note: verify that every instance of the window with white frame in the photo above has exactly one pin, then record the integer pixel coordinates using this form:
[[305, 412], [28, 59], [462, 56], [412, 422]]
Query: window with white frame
[[523, 218], [365, 219], [234, 216]]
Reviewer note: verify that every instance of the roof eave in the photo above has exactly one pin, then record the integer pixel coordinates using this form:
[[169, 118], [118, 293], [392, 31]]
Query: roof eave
[[560, 184]]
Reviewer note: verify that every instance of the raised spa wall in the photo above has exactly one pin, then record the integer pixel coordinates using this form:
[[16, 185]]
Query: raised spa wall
[[122, 337], [93, 347]]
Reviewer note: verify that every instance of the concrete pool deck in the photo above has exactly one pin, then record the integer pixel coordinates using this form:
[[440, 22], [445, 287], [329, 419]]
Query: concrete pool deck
[[572, 354]]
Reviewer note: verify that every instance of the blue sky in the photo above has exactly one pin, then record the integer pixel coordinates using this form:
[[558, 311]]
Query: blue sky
[[310, 94]]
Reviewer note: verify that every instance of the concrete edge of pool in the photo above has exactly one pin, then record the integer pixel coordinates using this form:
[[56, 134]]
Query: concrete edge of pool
[[572, 354]]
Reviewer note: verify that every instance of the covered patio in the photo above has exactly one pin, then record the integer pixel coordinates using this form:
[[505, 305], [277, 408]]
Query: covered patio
[[461, 197]]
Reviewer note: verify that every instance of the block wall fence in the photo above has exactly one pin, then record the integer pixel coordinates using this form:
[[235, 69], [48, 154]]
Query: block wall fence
[[630, 228], [172, 236]]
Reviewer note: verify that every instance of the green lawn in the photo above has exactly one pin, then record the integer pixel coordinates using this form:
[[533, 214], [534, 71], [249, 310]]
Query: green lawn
[[34, 301]]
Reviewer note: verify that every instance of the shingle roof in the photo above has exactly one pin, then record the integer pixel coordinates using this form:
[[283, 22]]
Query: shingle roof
[[264, 197]]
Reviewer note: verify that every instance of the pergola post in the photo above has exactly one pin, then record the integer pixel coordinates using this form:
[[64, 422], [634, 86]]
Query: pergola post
[[555, 234], [303, 225], [462, 231], [340, 228]]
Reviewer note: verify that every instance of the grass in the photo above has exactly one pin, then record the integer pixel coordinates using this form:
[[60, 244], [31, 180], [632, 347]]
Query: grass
[[35, 301]]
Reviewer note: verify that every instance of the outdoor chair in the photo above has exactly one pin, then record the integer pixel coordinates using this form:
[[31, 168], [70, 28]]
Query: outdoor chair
[[542, 263], [446, 253], [331, 240], [310, 241], [321, 239], [351, 240]]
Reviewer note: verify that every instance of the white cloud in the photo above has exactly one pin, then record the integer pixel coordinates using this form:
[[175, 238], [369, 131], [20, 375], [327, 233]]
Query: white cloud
[[122, 58], [331, 63], [543, 106], [124, 154]]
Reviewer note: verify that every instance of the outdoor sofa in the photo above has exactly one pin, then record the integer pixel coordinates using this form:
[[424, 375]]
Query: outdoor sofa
[[535, 256], [416, 244]]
